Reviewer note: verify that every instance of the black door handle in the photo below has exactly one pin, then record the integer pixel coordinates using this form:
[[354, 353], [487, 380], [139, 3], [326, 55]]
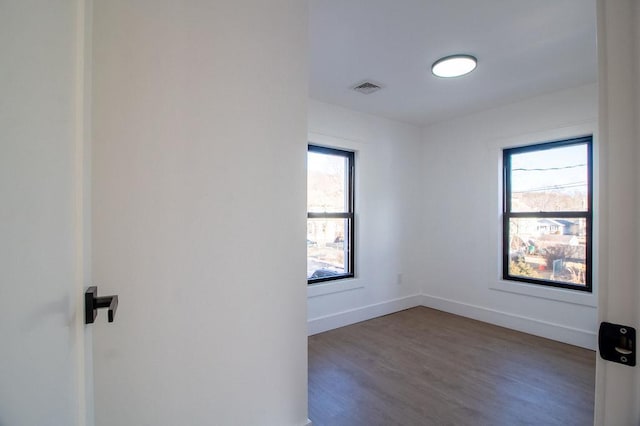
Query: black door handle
[[92, 303]]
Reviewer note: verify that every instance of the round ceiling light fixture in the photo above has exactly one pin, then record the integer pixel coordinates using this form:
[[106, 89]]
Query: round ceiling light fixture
[[454, 66]]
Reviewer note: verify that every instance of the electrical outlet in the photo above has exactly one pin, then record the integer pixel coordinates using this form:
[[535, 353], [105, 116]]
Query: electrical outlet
[[399, 279]]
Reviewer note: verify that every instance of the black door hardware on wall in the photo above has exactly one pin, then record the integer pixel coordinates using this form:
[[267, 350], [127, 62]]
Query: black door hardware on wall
[[92, 303], [617, 343]]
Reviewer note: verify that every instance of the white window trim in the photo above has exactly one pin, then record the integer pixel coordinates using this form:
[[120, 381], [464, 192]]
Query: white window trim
[[495, 227], [347, 283], [332, 287]]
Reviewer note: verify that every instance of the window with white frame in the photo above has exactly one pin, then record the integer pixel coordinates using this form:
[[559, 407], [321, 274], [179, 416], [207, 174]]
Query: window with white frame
[[547, 214], [330, 214]]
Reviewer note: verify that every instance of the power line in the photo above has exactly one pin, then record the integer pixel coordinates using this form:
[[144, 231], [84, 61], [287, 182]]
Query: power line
[[548, 168], [545, 188]]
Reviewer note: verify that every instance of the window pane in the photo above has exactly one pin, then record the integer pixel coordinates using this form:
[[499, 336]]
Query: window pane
[[552, 249], [328, 247], [550, 180], [327, 183]]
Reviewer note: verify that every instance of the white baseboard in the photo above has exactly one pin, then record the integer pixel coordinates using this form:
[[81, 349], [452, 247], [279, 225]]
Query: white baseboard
[[573, 336], [308, 423], [561, 333], [352, 316]]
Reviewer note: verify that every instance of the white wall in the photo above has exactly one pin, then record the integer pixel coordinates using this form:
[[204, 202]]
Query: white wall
[[388, 217], [461, 192], [41, 273], [199, 211]]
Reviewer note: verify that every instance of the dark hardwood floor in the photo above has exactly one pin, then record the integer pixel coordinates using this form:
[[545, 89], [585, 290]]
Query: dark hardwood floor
[[426, 367]]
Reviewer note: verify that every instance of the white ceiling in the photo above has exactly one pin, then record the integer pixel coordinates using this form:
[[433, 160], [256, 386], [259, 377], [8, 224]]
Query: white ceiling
[[524, 48]]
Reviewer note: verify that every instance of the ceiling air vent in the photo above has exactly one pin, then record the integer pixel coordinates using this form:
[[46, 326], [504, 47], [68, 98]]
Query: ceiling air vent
[[367, 87]]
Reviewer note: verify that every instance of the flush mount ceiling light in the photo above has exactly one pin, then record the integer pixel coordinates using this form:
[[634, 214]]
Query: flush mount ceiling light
[[454, 66]]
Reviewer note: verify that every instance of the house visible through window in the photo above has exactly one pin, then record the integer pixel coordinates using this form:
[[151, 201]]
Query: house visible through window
[[547, 214], [330, 214]]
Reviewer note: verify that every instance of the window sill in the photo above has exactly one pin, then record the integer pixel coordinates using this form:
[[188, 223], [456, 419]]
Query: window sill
[[575, 297], [330, 287]]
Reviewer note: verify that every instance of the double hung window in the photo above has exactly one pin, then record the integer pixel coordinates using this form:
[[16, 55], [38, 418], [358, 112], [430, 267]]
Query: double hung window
[[330, 214], [547, 214]]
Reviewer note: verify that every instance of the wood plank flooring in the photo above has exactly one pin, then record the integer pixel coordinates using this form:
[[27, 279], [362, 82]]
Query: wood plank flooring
[[426, 367]]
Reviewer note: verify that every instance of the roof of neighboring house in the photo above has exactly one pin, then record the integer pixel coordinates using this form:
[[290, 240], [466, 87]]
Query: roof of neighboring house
[[566, 222], [552, 222]]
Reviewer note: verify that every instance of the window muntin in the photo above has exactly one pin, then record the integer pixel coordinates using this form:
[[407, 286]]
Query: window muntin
[[330, 214], [547, 214]]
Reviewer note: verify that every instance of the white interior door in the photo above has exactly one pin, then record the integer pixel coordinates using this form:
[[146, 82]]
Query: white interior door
[[199, 212], [43, 254], [618, 386]]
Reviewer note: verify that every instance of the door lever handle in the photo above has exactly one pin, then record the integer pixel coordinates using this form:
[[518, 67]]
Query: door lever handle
[[92, 303]]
